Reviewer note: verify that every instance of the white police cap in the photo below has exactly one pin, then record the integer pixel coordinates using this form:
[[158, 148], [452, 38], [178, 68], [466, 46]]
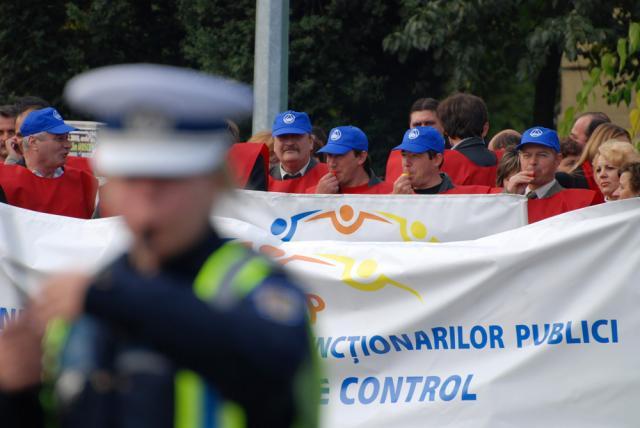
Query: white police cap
[[160, 120]]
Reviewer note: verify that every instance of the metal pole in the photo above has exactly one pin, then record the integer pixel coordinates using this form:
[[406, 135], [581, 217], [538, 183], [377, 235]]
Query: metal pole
[[271, 63]]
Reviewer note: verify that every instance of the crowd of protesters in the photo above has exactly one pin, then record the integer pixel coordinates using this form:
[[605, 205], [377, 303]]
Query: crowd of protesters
[[444, 151]]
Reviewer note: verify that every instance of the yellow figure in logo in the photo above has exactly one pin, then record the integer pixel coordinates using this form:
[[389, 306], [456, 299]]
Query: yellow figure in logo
[[417, 228], [366, 269]]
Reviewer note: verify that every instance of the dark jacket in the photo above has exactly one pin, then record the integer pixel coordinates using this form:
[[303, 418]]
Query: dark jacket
[[445, 185], [477, 152]]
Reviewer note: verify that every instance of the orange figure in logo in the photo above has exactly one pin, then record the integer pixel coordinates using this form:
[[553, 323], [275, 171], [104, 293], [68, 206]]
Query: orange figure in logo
[[279, 254], [366, 269], [346, 215]]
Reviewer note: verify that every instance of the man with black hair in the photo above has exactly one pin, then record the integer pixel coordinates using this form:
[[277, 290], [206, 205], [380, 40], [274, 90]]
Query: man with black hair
[[7, 128], [349, 166], [585, 124], [465, 120], [422, 156], [424, 112]]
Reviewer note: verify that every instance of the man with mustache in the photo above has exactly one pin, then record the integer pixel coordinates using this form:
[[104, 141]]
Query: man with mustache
[[296, 170]]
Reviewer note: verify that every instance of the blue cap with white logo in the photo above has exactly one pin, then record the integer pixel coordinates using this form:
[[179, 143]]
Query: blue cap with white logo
[[291, 122], [342, 139], [542, 136], [45, 120], [161, 121], [421, 140]]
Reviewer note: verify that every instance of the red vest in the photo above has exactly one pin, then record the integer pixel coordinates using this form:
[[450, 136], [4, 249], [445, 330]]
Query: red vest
[[460, 169], [72, 195], [299, 185], [394, 166], [81, 163], [382, 188], [562, 202], [242, 158], [464, 172], [587, 169], [473, 190]]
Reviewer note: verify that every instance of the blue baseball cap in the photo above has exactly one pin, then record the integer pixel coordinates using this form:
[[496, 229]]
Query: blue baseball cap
[[542, 136], [421, 140], [342, 139], [44, 120], [291, 122]]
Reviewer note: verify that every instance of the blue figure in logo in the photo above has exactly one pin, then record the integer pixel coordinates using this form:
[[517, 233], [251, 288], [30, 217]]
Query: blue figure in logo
[[279, 225]]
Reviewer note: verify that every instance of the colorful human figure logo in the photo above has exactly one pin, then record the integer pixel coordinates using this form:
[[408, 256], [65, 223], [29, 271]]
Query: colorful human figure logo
[[416, 230], [343, 220], [279, 225], [367, 270]]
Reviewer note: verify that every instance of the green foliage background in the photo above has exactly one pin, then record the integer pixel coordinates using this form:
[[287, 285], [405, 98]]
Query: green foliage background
[[359, 62]]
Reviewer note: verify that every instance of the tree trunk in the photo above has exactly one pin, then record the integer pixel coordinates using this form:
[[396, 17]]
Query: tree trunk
[[547, 84]]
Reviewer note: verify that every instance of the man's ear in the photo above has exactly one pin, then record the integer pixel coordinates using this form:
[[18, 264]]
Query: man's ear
[[439, 158], [362, 158], [485, 129]]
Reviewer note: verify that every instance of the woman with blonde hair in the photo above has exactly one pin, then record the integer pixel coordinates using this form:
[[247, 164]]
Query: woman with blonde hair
[[611, 156], [582, 170]]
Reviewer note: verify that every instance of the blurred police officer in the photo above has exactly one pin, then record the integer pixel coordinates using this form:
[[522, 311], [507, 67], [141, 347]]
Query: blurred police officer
[[186, 329]]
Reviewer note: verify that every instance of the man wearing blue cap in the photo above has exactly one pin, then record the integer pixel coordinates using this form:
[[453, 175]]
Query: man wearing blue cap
[[46, 184], [539, 152], [293, 145], [186, 329], [349, 166], [45, 142], [422, 156]]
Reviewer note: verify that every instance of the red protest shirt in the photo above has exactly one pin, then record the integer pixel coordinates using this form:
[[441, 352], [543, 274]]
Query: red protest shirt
[[244, 158], [464, 172], [73, 194], [457, 166], [473, 190], [379, 188], [301, 184], [562, 202]]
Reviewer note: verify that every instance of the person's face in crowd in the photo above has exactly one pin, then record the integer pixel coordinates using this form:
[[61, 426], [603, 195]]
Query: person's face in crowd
[[345, 167], [567, 163], [540, 160], [52, 149], [7, 131], [579, 130], [625, 190], [606, 176], [164, 215], [422, 170], [425, 118], [293, 150]]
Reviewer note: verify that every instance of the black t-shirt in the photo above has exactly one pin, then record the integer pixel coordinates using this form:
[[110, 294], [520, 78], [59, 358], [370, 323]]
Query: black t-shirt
[[429, 191]]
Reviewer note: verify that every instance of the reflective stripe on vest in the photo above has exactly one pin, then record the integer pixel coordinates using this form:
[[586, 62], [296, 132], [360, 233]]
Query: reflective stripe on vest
[[228, 275]]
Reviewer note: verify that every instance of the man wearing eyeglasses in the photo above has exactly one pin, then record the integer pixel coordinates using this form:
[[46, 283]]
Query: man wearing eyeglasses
[[46, 185]]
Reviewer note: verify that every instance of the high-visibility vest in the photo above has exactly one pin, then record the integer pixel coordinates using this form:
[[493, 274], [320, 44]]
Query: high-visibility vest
[[227, 276]]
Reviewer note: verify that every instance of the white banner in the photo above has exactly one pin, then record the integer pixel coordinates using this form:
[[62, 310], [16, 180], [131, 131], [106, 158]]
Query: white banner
[[532, 327], [421, 218]]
